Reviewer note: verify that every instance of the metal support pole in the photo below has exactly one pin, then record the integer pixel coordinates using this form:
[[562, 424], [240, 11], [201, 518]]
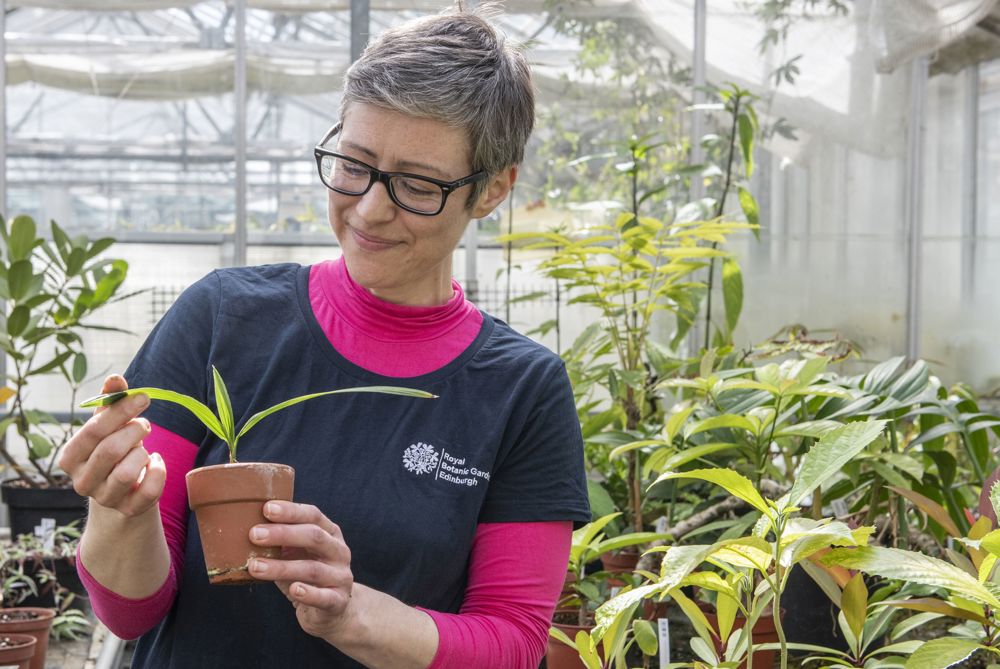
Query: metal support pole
[[913, 208], [471, 244], [970, 180], [240, 133], [697, 155], [360, 15], [698, 96], [3, 107]]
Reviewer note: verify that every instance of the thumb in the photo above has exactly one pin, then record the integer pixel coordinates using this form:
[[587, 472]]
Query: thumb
[[112, 384]]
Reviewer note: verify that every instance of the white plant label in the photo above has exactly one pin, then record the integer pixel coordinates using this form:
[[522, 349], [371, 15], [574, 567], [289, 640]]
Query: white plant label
[[663, 627], [839, 508], [46, 531], [661, 525]]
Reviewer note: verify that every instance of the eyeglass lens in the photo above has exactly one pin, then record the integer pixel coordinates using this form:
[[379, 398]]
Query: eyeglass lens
[[353, 178]]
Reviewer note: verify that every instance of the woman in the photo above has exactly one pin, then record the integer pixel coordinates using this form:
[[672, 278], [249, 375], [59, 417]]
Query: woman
[[423, 533]]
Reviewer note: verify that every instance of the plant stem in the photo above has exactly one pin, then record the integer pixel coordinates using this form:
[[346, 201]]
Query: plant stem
[[718, 213]]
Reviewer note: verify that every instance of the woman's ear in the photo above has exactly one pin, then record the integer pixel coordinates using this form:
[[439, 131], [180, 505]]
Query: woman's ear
[[496, 191]]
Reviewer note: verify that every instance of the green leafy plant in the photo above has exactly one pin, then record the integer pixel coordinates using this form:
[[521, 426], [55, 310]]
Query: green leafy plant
[[753, 569], [222, 425], [970, 585], [50, 289]]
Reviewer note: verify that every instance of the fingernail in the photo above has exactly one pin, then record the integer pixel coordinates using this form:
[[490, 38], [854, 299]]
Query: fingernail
[[259, 533], [145, 424], [272, 509], [258, 566]]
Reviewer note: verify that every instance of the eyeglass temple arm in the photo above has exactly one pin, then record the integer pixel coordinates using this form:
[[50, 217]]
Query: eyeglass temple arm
[[330, 133]]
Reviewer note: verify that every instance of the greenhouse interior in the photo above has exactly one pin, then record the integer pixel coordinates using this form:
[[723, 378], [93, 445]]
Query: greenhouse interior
[[746, 253]]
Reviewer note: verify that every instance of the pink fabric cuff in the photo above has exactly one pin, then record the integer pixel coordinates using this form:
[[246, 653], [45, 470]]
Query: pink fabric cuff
[[128, 618], [516, 573]]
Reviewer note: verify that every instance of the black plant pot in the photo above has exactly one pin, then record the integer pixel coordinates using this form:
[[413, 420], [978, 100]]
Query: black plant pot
[[29, 506], [65, 575], [810, 616]]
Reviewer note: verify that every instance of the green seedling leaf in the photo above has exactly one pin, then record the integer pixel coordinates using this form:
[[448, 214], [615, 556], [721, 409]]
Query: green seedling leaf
[[942, 653], [936, 606], [388, 390], [828, 455], [200, 411], [914, 567], [225, 408], [735, 484], [854, 604]]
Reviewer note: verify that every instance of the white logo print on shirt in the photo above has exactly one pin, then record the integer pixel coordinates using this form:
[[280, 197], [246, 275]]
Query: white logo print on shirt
[[421, 458]]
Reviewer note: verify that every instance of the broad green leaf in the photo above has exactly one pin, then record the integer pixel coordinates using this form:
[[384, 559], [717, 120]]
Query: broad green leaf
[[693, 453], [746, 142], [942, 653], [991, 542], [388, 390], [601, 503], [725, 609], [619, 451], [645, 636], [931, 605], [995, 498], [201, 412], [735, 484], [817, 429], [561, 636], [854, 604], [913, 567], [728, 420], [19, 279], [22, 238], [678, 562], [828, 455], [675, 421], [694, 614], [732, 291], [39, 446], [79, 371], [907, 625], [931, 508], [18, 320], [588, 652], [224, 407], [749, 206]]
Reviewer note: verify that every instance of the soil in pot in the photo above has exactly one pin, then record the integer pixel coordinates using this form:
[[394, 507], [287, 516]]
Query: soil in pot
[[32, 621], [17, 651], [227, 501]]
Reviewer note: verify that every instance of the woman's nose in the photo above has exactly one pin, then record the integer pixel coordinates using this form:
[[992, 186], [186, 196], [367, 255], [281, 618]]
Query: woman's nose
[[376, 205]]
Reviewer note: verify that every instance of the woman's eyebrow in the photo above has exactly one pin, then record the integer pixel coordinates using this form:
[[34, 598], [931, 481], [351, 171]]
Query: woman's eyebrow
[[406, 165]]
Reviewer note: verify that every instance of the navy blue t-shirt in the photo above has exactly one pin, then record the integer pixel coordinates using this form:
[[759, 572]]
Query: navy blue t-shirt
[[407, 479]]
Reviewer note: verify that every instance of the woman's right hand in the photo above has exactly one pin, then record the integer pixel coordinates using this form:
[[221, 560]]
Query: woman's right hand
[[106, 460]]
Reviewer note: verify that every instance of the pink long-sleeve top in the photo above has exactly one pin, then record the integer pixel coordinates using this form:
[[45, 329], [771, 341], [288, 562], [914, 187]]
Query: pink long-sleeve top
[[504, 619]]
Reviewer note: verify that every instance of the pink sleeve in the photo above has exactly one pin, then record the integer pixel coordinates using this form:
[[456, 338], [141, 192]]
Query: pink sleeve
[[516, 572], [130, 618]]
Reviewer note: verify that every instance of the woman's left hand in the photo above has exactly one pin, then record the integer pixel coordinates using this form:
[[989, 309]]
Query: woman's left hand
[[314, 571]]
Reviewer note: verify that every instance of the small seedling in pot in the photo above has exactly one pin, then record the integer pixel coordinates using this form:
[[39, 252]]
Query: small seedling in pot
[[222, 425]]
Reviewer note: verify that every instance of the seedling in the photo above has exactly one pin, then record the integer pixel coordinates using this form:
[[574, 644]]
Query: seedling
[[222, 425]]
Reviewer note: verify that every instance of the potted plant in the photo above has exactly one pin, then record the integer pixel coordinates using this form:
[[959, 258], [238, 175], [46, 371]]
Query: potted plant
[[228, 499], [50, 289]]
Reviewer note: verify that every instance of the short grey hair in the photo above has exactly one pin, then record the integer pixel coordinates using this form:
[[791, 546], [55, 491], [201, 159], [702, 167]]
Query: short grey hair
[[453, 67]]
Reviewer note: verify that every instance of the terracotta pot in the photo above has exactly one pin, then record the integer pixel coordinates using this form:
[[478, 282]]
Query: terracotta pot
[[655, 610], [18, 650], [31, 621], [620, 563], [763, 632], [228, 500]]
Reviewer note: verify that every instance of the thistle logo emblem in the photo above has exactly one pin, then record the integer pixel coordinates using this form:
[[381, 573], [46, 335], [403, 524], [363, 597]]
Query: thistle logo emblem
[[420, 458]]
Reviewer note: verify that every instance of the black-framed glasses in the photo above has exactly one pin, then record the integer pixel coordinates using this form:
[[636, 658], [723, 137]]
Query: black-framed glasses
[[415, 193]]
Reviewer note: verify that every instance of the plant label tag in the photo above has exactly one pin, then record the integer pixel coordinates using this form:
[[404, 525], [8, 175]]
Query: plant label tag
[[46, 531], [663, 628], [614, 590], [660, 526], [839, 508]]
